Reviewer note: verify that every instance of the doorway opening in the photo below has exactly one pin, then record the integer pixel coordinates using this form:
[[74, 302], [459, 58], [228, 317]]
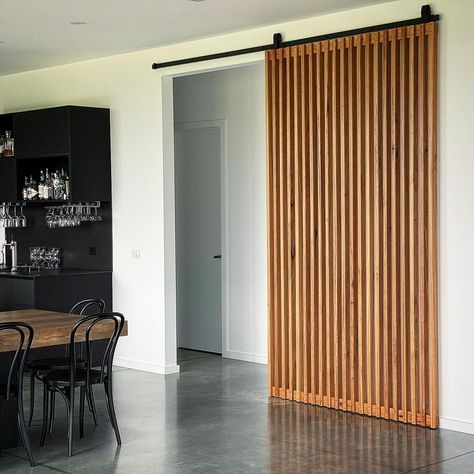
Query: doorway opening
[[218, 212]]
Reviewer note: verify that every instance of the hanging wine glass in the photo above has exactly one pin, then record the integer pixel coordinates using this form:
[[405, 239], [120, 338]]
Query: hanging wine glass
[[2, 215], [15, 219], [8, 217], [22, 217], [97, 217]]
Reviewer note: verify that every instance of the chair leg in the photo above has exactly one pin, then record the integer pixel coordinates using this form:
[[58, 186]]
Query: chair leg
[[81, 411], [44, 431], [24, 436], [109, 398], [22, 427], [91, 403], [32, 395], [52, 409], [70, 432]]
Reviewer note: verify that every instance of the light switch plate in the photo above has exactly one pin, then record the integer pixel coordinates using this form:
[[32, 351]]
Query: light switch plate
[[135, 253]]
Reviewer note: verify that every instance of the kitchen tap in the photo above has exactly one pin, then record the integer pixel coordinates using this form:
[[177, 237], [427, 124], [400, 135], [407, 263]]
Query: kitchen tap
[[14, 249]]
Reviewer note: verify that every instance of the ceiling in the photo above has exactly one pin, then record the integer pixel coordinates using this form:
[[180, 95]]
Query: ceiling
[[39, 33]]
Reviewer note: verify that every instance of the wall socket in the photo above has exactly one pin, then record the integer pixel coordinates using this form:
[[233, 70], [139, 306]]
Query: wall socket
[[135, 253]]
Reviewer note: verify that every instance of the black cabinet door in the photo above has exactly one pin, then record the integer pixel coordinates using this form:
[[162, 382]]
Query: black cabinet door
[[16, 294], [8, 182], [40, 133], [90, 152]]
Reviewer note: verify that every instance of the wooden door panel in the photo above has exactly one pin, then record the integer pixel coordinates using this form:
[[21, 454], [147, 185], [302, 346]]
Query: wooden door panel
[[352, 218]]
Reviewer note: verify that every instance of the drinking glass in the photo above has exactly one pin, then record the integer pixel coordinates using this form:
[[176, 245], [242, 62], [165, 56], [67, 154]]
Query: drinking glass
[[22, 217], [15, 219], [96, 217], [8, 217], [2, 215]]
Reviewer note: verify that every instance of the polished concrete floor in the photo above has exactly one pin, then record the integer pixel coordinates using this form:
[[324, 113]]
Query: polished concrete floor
[[215, 417]]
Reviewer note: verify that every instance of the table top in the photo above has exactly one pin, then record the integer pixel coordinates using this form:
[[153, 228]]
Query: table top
[[51, 328]]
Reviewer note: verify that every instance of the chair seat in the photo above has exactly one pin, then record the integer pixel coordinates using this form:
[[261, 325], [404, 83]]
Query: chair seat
[[61, 378], [54, 363]]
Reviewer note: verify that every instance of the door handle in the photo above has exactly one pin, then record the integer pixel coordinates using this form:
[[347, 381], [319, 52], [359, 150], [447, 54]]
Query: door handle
[[217, 256]]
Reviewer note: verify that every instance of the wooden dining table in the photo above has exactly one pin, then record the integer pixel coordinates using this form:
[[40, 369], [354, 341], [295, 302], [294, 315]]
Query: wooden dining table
[[50, 329]]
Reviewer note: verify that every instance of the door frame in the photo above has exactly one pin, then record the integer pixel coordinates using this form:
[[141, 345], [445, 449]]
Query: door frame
[[222, 126], [167, 130]]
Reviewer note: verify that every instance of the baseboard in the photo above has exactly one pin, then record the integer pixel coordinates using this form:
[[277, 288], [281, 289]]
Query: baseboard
[[146, 367], [245, 356], [456, 425]]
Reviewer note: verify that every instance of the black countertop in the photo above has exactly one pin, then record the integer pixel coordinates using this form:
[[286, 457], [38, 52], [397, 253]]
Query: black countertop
[[32, 274]]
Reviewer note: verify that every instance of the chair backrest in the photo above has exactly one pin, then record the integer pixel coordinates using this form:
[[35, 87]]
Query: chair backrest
[[116, 322], [82, 306], [25, 335]]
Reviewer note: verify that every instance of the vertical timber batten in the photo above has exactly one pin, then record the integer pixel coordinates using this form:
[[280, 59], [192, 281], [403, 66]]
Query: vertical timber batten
[[352, 223]]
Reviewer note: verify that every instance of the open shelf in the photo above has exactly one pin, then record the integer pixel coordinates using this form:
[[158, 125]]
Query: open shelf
[[27, 167]]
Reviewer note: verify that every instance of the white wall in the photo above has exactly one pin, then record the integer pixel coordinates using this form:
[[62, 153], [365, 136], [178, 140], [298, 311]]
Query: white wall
[[133, 91], [238, 96]]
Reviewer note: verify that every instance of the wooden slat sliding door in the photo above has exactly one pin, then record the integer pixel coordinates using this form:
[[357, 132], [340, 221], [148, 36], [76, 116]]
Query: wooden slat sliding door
[[352, 223]]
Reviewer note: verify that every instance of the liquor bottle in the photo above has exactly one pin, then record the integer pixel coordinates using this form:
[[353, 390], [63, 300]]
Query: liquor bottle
[[8, 144], [41, 186], [25, 189], [48, 186], [45, 186], [57, 186], [62, 183], [32, 189], [67, 188]]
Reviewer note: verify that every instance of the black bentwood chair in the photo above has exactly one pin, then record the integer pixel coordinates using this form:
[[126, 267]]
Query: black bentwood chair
[[83, 377], [13, 389], [91, 306]]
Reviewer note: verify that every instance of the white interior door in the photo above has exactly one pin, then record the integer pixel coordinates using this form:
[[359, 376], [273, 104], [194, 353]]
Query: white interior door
[[198, 236]]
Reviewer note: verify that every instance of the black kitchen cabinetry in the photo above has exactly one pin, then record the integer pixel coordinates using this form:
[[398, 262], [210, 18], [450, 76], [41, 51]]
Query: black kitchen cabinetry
[[76, 139], [73, 138], [53, 290]]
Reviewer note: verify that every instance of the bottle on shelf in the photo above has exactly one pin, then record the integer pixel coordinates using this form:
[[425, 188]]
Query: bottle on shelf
[[41, 186], [32, 189], [64, 180], [67, 188], [48, 186], [57, 191], [8, 144], [24, 193]]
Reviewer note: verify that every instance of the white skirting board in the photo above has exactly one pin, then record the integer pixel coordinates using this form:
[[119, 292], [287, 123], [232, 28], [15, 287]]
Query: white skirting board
[[245, 356], [456, 425], [146, 367]]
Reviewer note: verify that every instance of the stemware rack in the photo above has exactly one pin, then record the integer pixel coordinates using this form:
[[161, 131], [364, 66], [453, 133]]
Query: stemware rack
[[72, 214], [11, 216]]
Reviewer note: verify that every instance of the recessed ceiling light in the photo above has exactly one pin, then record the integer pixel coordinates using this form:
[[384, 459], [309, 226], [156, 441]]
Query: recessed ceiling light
[[78, 22], [196, 1]]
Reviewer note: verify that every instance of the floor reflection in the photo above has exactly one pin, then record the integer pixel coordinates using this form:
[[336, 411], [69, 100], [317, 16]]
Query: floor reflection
[[304, 436], [215, 417]]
